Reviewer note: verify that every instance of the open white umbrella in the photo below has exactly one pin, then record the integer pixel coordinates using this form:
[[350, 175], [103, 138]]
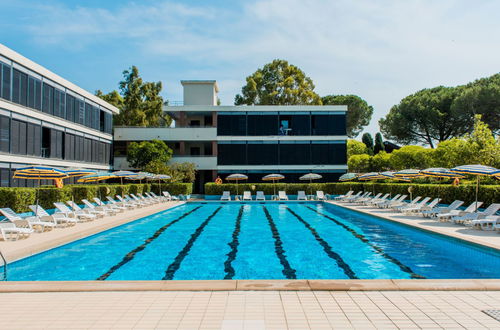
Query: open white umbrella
[[477, 170], [310, 177], [236, 177], [273, 177]]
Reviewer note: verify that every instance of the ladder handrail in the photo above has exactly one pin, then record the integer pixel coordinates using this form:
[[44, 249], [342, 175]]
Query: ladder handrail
[[4, 266]]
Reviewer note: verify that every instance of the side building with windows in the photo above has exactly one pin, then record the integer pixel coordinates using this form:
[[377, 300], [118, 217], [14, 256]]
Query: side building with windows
[[254, 140], [47, 120]]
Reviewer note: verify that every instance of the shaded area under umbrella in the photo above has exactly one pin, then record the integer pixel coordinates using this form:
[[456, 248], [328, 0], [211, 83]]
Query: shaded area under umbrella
[[273, 177], [310, 177], [478, 171], [236, 177]]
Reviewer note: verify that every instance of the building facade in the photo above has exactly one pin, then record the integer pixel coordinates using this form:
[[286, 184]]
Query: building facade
[[47, 120], [254, 140]]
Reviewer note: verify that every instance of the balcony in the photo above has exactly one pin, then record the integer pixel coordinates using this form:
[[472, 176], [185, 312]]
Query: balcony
[[165, 133]]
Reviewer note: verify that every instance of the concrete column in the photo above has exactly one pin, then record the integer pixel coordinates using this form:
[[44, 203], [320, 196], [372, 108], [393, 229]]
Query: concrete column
[[182, 148], [182, 119], [214, 148], [214, 118], [214, 175]]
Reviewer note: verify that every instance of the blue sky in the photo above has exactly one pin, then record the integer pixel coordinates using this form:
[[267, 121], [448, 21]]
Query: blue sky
[[379, 50]]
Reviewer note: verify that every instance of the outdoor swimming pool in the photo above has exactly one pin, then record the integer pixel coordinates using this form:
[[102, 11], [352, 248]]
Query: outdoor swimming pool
[[200, 241]]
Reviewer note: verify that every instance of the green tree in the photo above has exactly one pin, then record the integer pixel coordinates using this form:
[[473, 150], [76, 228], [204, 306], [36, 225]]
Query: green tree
[[368, 141], [356, 148], [359, 163], [139, 102], [426, 117], [481, 97], [182, 172], [140, 154], [381, 162], [157, 167], [416, 157], [278, 83], [359, 113], [379, 143]]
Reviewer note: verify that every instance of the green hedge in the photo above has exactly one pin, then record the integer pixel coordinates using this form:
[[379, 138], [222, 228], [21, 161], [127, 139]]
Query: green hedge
[[487, 193], [19, 199]]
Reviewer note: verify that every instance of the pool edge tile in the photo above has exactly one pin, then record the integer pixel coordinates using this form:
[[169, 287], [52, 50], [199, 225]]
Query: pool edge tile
[[281, 285]]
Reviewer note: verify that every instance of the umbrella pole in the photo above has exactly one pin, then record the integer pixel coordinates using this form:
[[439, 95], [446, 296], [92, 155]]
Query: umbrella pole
[[477, 189]]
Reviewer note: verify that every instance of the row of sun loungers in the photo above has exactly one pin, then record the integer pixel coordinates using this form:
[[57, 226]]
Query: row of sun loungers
[[282, 196], [428, 207], [70, 213]]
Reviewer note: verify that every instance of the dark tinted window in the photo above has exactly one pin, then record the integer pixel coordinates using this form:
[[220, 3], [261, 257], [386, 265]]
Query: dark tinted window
[[4, 134], [231, 154], [59, 103], [262, 153], [34, 93], [262, 124], [329, 124], [296, 124], [88, 115], [295, 153], [5, 81], [231, 124], [4, 177], [70, 107], [48, 98]]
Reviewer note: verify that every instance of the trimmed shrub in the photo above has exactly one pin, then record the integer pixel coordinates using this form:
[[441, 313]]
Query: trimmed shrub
[[487, 193], [47, 196], [173, 188], [18, 199]]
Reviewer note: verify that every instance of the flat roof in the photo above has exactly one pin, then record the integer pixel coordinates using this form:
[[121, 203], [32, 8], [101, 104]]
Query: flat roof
[[201, 82], [256, 108], [37, 68]]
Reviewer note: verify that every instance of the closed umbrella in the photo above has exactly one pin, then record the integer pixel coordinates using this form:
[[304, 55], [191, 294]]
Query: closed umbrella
[[310, 177], [39, 173], [273, 178], [236, 177], [477, 170]]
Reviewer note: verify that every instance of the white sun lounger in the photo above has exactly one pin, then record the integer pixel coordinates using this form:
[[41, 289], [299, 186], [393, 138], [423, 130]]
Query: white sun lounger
[[260, 196], [282, 196], [8, 229], [301, 196], [145, 199], [226, 196], [104, 210], [247, 196], [346, 198], [349, 193], [121, 203], [447, 216], [57, 218], [113, 206], [412, 204], [422, 206], [31, 221], [375, 200], [488, 223], [442, 209], [355, 198], [396, 206], [468, 218], [88, 210], [381, 204], [363, 200], [320, 195], [63, 208], [141, 201]]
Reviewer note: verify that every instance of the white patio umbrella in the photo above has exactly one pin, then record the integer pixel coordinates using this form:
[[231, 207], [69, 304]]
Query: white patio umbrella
[[236, 177], [273, 177], [310, 177]]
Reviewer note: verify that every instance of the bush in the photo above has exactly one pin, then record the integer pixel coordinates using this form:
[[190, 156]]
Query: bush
[[47, 196], [18, 199], [487, 193], [172, 188]]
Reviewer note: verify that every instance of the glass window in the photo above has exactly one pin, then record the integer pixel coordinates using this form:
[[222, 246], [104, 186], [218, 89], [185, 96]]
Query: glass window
[[295, 153], [291, 124], [4, 177], [6, 81], [4, 134], [231, 124], [70, 107], [231, 154], [328, 124], [88, 115], [102, 121], [263, 124], [38, 94], [262, 153], [59, 103], [80, 107], [48, 98], [339, 153]]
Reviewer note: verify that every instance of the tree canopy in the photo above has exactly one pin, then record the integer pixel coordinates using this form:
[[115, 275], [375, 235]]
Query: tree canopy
[[139, 102], [359, 113], [140, 154], [438, 114], [278, 83], [368, 141]]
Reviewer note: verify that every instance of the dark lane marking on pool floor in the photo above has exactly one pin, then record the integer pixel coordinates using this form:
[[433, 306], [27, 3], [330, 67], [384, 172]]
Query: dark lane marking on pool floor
[[377, 249], [228, 268], [288, 271], [129, 256], [176, 264], [326, 247]]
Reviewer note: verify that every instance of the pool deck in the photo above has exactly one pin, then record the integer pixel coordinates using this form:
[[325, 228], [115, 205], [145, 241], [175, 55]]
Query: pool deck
[[237, 310], [487, 238], [39, 242]]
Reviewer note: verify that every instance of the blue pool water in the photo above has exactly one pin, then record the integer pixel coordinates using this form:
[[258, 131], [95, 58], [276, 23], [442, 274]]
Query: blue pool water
[[260, 241]]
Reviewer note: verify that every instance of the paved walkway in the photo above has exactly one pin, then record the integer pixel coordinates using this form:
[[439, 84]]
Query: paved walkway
[[487, 238], [250, 310]]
